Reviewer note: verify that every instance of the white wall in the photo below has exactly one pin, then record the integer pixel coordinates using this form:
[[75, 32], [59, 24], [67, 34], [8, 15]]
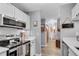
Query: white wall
[[66, 11], [36, 31]]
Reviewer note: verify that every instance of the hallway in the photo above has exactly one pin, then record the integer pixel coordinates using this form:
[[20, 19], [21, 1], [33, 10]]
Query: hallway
[[51, 49]]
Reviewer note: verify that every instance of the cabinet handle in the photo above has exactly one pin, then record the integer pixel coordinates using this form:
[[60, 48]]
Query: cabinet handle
[[77, 14]]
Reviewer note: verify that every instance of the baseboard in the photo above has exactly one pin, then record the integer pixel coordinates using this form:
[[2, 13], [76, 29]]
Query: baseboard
[[38, 55], [44, 46]]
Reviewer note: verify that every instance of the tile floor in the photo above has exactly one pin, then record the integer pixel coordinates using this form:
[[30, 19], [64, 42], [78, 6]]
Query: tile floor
[[51, 49]]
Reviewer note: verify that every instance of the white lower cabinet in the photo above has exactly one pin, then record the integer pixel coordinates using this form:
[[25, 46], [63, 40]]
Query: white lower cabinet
[[20, 50], [32, 51], [3, 54], [24, 50], [64, 49], [71, 53], [32, 48]]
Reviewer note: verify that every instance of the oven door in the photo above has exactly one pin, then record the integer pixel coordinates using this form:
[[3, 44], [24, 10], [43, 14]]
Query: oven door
[[12, 52]]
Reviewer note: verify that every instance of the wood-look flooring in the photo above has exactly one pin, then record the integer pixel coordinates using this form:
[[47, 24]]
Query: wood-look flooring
[[50, 49]]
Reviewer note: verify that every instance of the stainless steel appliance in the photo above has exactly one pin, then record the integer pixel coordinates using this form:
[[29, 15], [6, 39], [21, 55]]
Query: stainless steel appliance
[[16, 47], [13, 47], [19, 50], [15, 51], [11, 22], [12, 52]]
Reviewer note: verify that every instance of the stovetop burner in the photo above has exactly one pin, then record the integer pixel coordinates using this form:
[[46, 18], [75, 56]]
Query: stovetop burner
[[8, 44], [4, 43]]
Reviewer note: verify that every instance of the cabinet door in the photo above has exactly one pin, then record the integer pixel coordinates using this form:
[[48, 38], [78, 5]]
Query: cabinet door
[[24, 50], [18, 14], [32, 48], [75, 11], [71, 53], [32, 53], [7, 9], [26, 19], [28, 22], [20, 51], [65, 51], [3, 54]]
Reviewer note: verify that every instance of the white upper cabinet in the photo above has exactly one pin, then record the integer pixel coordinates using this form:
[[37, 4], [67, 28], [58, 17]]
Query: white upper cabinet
[[26, 18], [10, 10], [75, 11], [28, 22], [7, 9], [19, 14]]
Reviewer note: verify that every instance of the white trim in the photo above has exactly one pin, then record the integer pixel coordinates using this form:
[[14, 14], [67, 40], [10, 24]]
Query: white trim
[[44, 45], [38, 54]]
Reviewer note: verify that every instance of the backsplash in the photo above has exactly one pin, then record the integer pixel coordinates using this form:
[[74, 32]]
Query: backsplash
[[9, 31]]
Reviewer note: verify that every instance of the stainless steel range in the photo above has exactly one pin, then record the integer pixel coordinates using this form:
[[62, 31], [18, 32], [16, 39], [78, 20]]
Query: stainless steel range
[[15, 46]]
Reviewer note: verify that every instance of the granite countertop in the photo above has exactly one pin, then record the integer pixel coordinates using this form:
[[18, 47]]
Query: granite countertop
[[3, 49], [72, 43]]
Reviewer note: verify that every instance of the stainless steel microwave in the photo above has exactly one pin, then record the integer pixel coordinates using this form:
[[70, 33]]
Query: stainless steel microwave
[[10, 21]]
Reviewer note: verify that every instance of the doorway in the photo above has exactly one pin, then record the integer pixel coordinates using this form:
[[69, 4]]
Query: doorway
[[51, 39]]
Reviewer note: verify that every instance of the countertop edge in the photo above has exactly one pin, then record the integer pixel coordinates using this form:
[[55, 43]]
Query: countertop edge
[[71, 47]]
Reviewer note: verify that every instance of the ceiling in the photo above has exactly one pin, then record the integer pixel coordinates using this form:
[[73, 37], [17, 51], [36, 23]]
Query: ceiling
[[48, 10]]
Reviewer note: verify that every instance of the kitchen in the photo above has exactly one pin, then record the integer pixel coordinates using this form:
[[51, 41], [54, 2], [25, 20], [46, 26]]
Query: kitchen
[[15, 39], [69, 31], [20, 31]]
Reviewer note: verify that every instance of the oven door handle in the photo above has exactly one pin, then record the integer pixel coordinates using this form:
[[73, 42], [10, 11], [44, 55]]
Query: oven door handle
[[11, 50]]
